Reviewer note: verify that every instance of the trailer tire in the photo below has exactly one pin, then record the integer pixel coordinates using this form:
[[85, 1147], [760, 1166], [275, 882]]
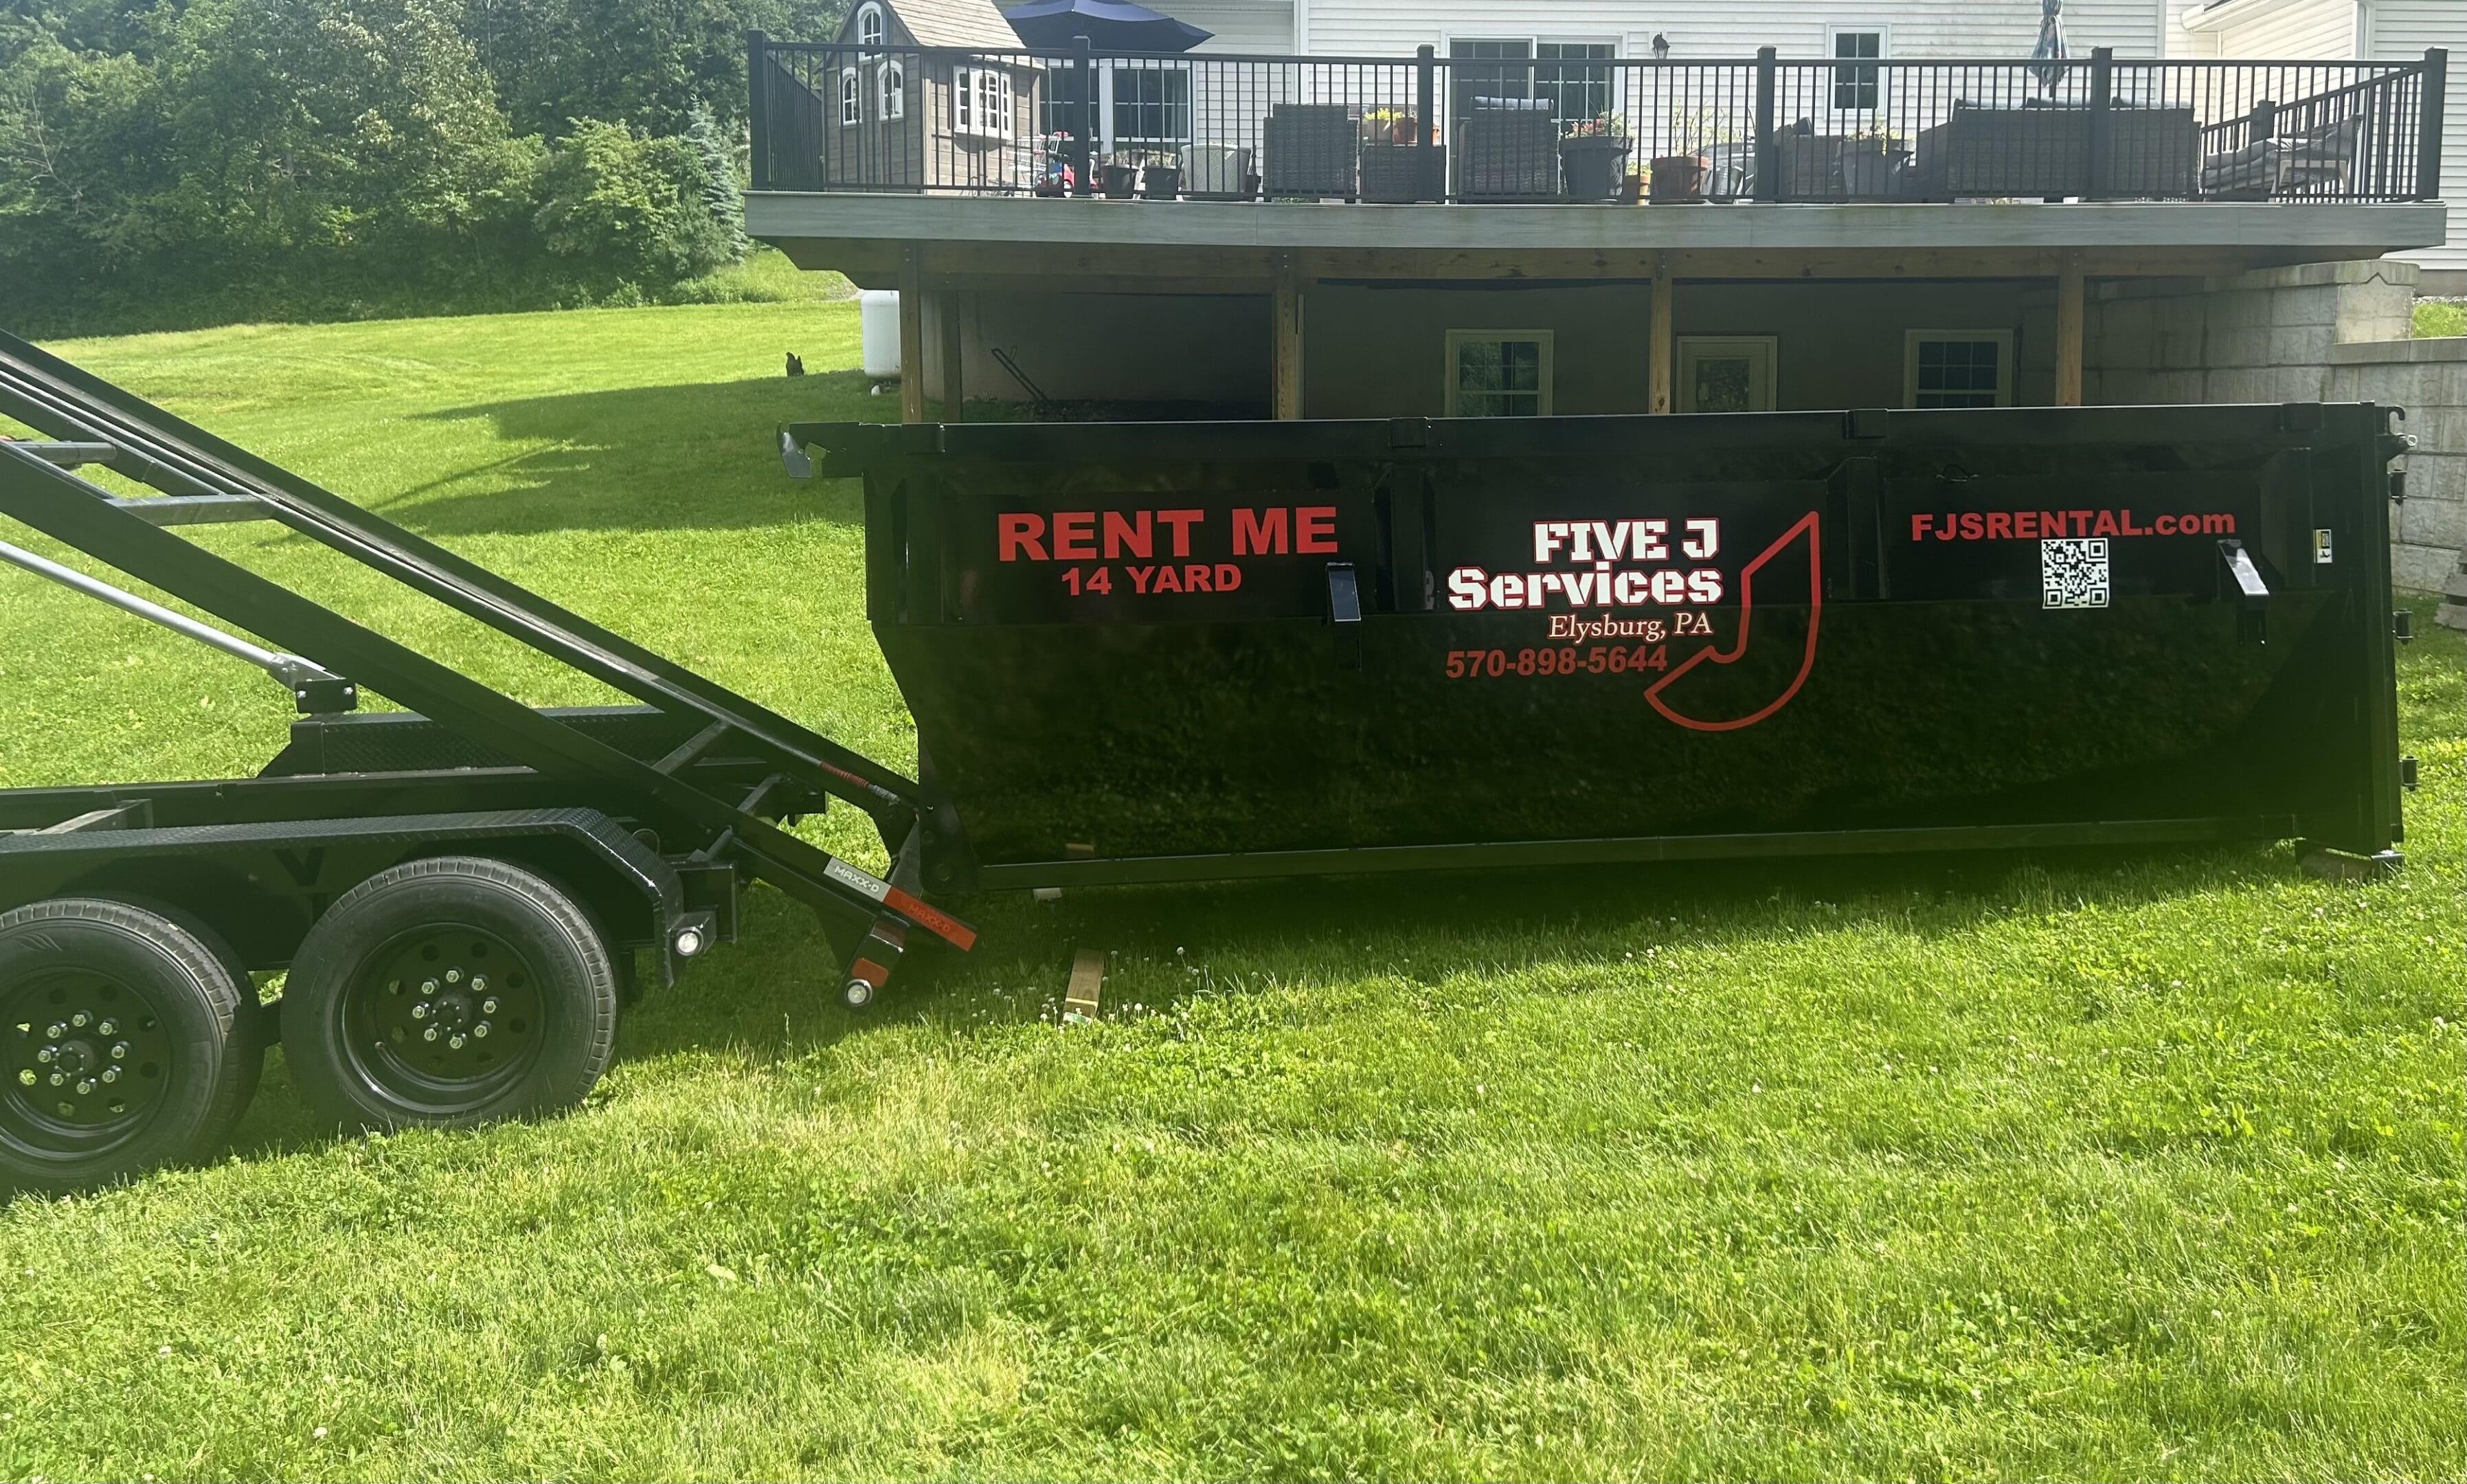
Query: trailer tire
[[393, 1020], [181, 1016]]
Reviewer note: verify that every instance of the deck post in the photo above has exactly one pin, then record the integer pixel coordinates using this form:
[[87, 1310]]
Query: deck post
[[952, 304], [1426, 95], [2070, 332], [2427, 151], [1286, 355], [912, 335], [758, 138], [2102, 104], [1661, 339], [1768, 146], [1083, 126]]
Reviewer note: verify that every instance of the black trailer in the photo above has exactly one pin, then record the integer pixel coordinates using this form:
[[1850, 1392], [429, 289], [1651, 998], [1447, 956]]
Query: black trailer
[[458, 893], [1171, 652]]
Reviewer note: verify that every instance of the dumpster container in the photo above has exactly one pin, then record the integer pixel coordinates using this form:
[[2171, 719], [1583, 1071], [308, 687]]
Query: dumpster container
[[1182, 650]]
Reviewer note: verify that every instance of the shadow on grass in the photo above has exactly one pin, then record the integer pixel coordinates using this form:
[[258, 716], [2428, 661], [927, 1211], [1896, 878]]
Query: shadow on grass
[[774, 993], [694, 457]]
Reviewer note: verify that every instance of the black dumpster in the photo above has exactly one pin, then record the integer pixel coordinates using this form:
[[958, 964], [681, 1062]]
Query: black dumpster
[[1178, 650]]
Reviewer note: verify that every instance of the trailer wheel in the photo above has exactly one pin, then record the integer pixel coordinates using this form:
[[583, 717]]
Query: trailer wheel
[[446, 993], [130, 1043]]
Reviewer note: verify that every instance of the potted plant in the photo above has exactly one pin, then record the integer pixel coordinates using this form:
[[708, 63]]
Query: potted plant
[[1871, 161], [1119, 179], [1591, 153], [1680, 175], [1391, 126], [1161, 180]]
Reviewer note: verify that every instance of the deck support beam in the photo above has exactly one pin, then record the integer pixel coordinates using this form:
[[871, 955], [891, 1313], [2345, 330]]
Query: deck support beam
[[1662, 338], [1286, 355], [952, 306], [912, 334], [2069, 331]]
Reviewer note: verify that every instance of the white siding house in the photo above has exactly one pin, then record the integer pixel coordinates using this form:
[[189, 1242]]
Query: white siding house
[[2377, 30]]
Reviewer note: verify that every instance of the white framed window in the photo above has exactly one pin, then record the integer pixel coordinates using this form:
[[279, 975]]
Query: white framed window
[[981, 102], [1498, 373], [1578, 80], [893, 80], [1858, 89], [869, 25], [852, 97], [1958, 368], [1727, 372]]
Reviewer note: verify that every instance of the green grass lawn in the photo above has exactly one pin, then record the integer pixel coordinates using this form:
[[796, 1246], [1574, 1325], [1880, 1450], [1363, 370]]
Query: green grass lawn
[[2127, 1165]]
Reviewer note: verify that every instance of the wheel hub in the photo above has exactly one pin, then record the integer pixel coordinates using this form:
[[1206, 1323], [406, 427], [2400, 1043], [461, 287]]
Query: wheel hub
[[85, 1058], [443, 1017]]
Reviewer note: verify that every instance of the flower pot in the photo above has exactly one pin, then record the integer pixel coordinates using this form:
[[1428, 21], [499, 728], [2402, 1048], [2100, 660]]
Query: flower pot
[[1160, 182], [1631, 189], [1589, 166], [1392, 172], [1120, 182], [1678, 177]]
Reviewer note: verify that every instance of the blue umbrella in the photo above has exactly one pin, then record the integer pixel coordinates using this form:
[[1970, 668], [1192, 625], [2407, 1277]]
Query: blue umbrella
[[2049, 53], [1112, 25]]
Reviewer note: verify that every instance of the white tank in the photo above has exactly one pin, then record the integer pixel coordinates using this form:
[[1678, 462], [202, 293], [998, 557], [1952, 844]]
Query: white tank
[[878, 319]]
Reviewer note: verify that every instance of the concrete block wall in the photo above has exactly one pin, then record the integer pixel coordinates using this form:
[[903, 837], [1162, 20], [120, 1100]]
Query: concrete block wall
[[2323, 332], [2428, 379]]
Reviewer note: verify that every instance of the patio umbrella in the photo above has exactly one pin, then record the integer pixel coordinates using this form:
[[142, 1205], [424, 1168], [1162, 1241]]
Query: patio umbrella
[[1112, 25], [2049, 53]]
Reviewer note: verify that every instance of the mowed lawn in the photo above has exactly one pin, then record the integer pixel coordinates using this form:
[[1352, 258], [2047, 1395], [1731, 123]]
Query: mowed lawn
[[2139, 1165]]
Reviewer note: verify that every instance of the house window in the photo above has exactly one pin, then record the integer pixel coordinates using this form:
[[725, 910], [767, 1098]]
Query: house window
[[1499, 374], [851, 97], [1576, 76], [1959, 368], [1726, 372], [869, 25], [1489, 70], [981, 103], [1151, 104], [1858, 89]]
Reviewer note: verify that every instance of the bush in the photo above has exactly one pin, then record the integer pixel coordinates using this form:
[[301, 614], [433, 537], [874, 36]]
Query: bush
[[630, 207]]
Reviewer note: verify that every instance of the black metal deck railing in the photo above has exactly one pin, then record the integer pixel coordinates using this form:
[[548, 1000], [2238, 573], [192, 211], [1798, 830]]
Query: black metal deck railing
[[1579, 127]]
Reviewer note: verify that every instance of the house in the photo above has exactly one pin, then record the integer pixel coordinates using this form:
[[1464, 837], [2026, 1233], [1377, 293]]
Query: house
[[2387, 30], [1394, 210]]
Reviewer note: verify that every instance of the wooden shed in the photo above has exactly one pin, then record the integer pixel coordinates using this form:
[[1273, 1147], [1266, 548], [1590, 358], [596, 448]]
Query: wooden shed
[[938, 91]]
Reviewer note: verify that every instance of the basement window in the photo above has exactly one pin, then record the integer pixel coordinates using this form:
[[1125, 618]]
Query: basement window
[[1499, 374], [1959, 368]]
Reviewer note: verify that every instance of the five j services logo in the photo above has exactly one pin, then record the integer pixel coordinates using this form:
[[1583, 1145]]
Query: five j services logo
[[1719, 647]]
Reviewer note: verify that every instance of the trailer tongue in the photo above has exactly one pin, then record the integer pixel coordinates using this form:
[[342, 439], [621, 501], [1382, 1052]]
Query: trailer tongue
[[383, 859]]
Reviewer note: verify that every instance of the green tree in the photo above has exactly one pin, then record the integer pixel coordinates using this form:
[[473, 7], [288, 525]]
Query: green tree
[[631, 206]]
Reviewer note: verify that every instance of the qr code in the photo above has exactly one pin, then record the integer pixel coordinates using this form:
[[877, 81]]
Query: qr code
[[2073, 574]]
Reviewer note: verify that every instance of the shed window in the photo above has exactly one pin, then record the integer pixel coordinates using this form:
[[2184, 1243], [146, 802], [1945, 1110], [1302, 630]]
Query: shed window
[[1959, 368], [894, 90], [982, 100], [1499, 374], [851, 97], [869, 26]]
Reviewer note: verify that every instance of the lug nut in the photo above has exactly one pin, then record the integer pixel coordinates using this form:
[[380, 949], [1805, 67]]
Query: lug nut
[[454, 976], [427, 986], [479, 984], [60, 1078], [428, 1035], [420, 1011], [79, 1018], [480, 1029], [120, 1051], [85, 1085], [112, 1074], [108, 1028], [455, 1042], [45, 1055], [55, 1032], [489, 1006], [25, 1076]]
